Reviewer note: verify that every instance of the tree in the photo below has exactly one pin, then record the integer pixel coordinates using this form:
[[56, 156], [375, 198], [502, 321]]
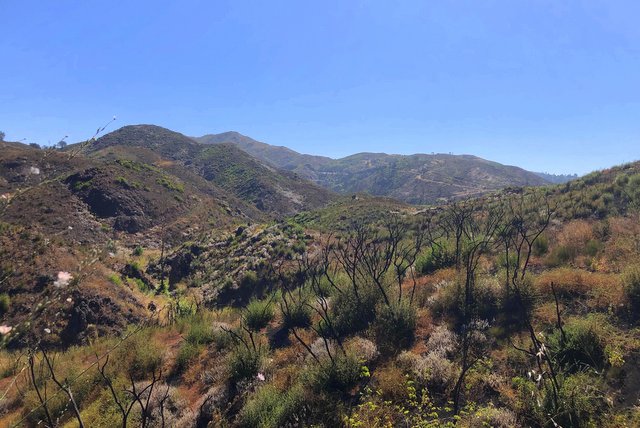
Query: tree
[[2, 135], [474, 230]]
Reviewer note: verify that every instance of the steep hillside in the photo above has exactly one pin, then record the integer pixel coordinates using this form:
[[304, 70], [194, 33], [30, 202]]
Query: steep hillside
[[66, 192], [64, 212], [269, 189], [417, 179]]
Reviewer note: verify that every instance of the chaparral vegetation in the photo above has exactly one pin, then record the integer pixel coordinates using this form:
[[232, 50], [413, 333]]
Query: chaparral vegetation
[[150, 280]]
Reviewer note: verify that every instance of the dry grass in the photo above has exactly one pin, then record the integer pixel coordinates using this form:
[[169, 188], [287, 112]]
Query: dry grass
[[598, 290]]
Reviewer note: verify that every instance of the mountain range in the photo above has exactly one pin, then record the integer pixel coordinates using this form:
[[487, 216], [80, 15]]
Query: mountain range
[[415, 179]]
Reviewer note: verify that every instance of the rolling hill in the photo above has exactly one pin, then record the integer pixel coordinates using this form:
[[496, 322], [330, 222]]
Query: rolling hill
[[271, 190], [416, 179]]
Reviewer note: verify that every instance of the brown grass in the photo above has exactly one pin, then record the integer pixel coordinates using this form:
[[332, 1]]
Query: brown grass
[[598, 289]]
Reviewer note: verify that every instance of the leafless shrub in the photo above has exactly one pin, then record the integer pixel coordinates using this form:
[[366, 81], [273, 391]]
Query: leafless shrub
[[437, 372], [442, 342], [364, 349]]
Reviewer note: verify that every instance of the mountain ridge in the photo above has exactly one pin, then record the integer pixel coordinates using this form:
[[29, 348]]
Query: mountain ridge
[[419, 178]]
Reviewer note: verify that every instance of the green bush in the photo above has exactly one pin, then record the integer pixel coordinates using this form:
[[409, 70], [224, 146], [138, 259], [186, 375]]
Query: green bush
[[269, 407], [394, 327], [435, 259], [340, 375], [350, 314], [581, 402], [297, 316], [250, 280], [631, 284], [593, 247], [188, 351], [200, 332], [582, 347], [140, 284], [138, 251], [5, 303], [115, 279], [170, 185], [244, 363], [258, 314], [540, 246], [559, 256], [140, 356]]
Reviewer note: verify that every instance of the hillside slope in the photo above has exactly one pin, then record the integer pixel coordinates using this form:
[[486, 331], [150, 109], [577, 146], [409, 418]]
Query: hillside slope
[[417, 179], [270, 190]]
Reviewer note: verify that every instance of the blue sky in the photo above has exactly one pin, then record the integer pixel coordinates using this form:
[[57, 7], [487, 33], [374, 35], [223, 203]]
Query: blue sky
[[546, 85]]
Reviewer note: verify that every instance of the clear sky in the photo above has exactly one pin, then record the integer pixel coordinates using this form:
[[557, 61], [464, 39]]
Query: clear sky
[[546, 85]]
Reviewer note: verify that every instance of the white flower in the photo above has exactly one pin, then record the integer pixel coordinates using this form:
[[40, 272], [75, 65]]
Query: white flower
[[34, 170], [260, 377], [47, 330], [63, 279], [69, 299], [5, 329], [541, 351]]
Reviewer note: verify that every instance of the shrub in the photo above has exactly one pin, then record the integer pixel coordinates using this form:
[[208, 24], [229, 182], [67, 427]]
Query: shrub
[[442, 341], [559, 256], [340, 375], [364, 349], [188, 351], [244, 363], [593, 247], [582, 347], [581, 402], [436, 372], [352, 315], [298, 316], [447, 300], [631, 284], [394, 327], [250, 280], [200, 332], [434, 259], [170, 185], [5, 303], [487, 294], [391, 384], [490, 416], [269, 407], [540, 246], [138, 251], [221, 338], [115, 279], [258, 314], [140, 284], [140, 357]]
